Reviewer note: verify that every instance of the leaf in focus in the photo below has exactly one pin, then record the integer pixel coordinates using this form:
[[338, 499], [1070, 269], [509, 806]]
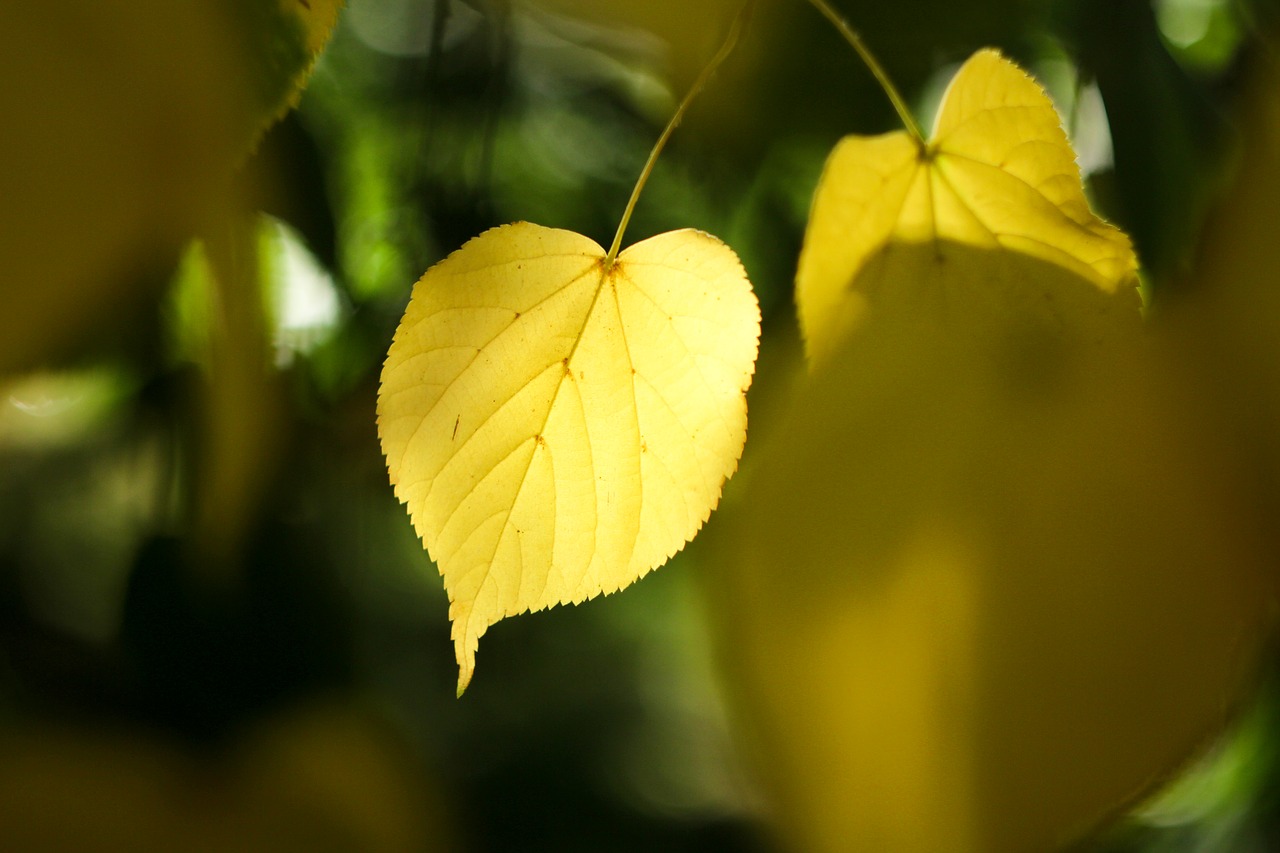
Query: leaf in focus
[[559, 427], [998, 174]]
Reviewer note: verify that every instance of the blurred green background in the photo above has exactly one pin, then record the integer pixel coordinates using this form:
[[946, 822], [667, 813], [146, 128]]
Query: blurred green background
[[261, 659]]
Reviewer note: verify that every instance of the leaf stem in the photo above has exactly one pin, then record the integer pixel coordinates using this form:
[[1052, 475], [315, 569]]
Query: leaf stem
[[869, 59], [726, 47]]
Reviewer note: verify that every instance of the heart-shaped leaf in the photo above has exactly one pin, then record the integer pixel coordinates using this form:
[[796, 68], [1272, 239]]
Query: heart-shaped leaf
[[559, 425], [998, 174]]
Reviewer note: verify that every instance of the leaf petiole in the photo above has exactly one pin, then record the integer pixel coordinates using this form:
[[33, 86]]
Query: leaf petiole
[[726, 47], [873, 65]]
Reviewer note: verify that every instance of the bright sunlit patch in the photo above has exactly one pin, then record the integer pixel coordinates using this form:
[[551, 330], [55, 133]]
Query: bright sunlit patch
[[304, 301], [299, 297], [1091, 132]]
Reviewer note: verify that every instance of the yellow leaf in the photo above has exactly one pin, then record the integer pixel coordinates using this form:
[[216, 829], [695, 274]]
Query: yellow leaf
[[317, 18], [972, 604], [124, 119], [288, 41], [998, 174], [128, 120], [557, 426]]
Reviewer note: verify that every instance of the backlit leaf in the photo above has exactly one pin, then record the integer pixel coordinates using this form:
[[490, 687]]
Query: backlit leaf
[[998, 174], [558, 427]]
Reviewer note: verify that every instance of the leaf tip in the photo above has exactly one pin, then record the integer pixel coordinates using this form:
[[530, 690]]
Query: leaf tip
[[464, 648]]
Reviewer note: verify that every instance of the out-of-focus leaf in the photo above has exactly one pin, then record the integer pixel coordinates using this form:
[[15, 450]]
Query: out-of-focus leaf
[[998, 174], [123, 125], [287, 37], [979, 599], [559, 427], [120, 122]]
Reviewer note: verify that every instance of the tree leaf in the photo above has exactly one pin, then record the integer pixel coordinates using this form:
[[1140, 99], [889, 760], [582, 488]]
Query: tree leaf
[[128, 123], [127, 120], [285, 39], [965, 608], [558, 427], [998, 174]]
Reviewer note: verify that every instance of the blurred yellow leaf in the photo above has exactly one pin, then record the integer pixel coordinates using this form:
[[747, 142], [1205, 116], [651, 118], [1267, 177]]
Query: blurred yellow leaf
[[120, 125], [287, 47], [559, 426], [998, 174], [982, 603], [317, 18], [1020, 570], [123, 126]]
